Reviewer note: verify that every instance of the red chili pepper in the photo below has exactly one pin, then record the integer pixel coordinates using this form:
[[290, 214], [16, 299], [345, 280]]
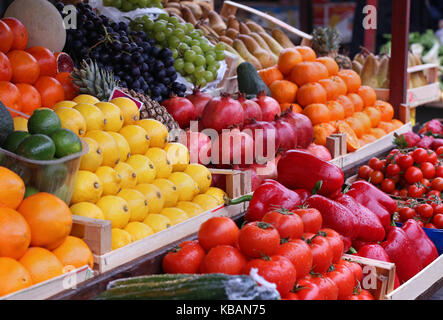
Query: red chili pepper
[[301, 170], [375, 200], [423, 245], [402, 252], [335, 216], [371, 228]]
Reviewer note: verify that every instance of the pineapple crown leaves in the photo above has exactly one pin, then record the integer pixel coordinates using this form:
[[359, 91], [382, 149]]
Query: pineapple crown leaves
[[326, 40]]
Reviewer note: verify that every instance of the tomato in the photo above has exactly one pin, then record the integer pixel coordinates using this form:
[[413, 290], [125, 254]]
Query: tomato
[[438, 209], [355, 268], [392, 170], [375, 164], [403, 193], [433, 194], [405, 161], [327, 286], [432, 157], [420, 223], [184, 258], [364, 172], [312, 219], [376, 177], [413, 175], [335, 242], [223, 259], [217, 231], [396, 178], [437, 220], [396, 193], [361, 295], [258, 238], [426, 183], [299, 253], [430, 226], [388, 186], [437, 184], [276, 269], [343, 279], [306, 289], [288, 224], [439, 171], [439, 151], [416, 191], [292, 296], [322, 254], [420, 155], [425, 210], [428, 170], [406, 213]]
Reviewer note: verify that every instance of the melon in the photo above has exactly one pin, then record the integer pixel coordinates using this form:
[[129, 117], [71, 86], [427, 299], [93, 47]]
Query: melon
[[43, 22]]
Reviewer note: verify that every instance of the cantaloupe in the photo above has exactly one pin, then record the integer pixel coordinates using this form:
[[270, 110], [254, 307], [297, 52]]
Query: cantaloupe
[[43, 21]]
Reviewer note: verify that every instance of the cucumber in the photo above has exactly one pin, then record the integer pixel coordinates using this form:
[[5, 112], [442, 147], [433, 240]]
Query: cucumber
[[147, 279]]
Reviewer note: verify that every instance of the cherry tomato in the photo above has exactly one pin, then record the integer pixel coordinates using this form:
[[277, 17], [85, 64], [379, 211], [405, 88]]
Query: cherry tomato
[[306, 289], [425, 210], [223, 259], [439, 171], [184, 258], [355, 268], [258, 238], [430, 226], [361, 295], [396, 179], [405, 161], [364, 172], [376, 177], [416, 191], [335, 242], [406, 213], [299, 253], [439, 151], [437, 220], [217, 231], [392, 170], [288, 224], [433, 194], [438, 208], [437, 184], [322, 254], [329, 288], [388, 186], [428, 170], [343, 279], [375, 164], [432, 157], [426, 183], [403, 193], [413, 175], [312, 219], [276, 269], [420, 155]]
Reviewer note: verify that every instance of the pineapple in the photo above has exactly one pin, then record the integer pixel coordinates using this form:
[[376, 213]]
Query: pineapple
[[326, 42]]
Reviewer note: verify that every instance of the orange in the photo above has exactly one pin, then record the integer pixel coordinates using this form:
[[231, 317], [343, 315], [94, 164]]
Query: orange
[[284, 91], [49, 218], [45, 59], [310, 93], [365, 120], [317, 113], [351, 78], [41, 264], [271, 74], [397, 123], [330, 64], [331, 88], [6, 37], [306, 53], [5, 68], [74, 252], [50, 90], [321, 132], [347, 104], [15, 234], [25, 68], [342, 89], [368, 138], [356, 125], [31, 98], [10, 95], [70, 89], [386, 109], [288, 59], [377, 132], [386, 126], [352, 142], [19, 33], [357, 101], [13, 276], [308, 71], [295, 107], [12, 188], [374, 114], [336, 110], [368, 95]]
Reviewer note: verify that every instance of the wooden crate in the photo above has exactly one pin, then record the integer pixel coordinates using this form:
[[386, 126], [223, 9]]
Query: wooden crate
[[51, 287], [96, 233]]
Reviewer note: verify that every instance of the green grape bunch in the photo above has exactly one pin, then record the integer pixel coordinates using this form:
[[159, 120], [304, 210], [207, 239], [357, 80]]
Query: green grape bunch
[[130, 5]]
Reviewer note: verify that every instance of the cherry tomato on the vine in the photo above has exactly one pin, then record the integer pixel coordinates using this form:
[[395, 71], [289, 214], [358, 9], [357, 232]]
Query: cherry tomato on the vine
[[416, 191], [364, 172], [392, 170], [413, 175], [437, 220], [406, 213], [437, 184], [428, 170], [420, 155], [432, 157], [376, 177], [388, 186], [425, 210], [376, 163], [405, 161]]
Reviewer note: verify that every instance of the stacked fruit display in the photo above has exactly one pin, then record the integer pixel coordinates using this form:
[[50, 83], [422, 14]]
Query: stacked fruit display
[[35, 244], [132, 175]]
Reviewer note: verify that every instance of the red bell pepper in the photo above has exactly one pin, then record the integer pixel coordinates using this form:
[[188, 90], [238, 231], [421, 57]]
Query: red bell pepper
[[423, 245], [335, 215], [376, 252], [302, 170], [371, 228], [402, 252], [357, 244], [303, 193], [375, 200]]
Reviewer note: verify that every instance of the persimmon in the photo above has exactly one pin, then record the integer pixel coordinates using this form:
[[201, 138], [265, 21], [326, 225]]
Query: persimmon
[[317, 113], [288, 59], [284, 91], [310, 93]]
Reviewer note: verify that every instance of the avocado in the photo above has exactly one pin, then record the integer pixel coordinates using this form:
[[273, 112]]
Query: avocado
[[249, 81], [37, 147], [6, 123], [14, 139]]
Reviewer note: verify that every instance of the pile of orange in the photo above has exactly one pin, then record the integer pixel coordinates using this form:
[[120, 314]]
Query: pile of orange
[[28, 76], [35, 244], [333, 99]]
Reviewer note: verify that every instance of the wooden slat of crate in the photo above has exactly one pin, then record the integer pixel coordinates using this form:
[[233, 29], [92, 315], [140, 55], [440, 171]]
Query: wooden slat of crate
[[51, 287], [96, 233], [238, 182]]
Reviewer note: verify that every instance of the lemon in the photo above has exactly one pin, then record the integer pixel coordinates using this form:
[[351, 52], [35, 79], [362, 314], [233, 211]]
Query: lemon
[[156, 130], [116, 210], [110, 180], [94, 158], [120, 238], [20, 124], [127, 174], [137, 138], [218, 194], [88, 187], [176, 215], [192, 209], [168, 190], [161, 162], [94, 117], [113, 116], [129, 109], [85, 98], [72, 119], [153, 195], [157, 222], [137, 204], [123, 146], [88, 210], [65, 104], [178, 154], [144, 168], [138, 230], [108, 146], [187, 188], [205, 201], [200, 174]]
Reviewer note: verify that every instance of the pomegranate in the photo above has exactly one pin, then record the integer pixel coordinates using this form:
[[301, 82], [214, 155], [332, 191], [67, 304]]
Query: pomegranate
[[269, 106], [181, 109], [199, 100], [233, 147], [265, 136], [222, 113], [319, 151], [199, 146], [250, 108], [302, 127], [286, 134]]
